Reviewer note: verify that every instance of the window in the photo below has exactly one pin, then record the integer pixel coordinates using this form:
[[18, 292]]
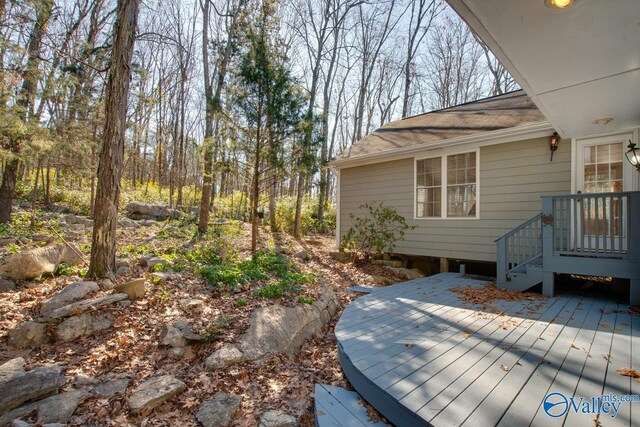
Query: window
[[429, 188], [446, 186]]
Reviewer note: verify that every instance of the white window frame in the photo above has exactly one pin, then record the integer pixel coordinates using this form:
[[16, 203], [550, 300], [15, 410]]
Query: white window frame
[[444, 186]]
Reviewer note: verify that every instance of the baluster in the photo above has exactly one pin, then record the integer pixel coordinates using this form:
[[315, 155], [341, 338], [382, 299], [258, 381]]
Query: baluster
[[605, 199], [561, 241], [621, 200], [575, 224], [596, 213], [612, 221]]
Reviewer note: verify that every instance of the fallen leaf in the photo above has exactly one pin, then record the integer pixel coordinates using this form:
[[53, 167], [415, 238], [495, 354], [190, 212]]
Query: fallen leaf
[[628, 372], [504, 368]]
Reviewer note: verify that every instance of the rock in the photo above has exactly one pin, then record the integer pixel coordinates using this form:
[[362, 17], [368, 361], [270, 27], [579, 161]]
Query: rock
[[106, 284], [79, 326], [20, 423], [76, 219], [36, 262], [24, 386], [172, 336], [407, 273], [28, 335], [111, 388], [192, 305], [11, 369], [381, 280], [224, 357], [70, 293], [277, 419], [84, 305], [122, 262], [303, 255], [135, 289], [42, 238], [154, 392], [84, 381], [276, 329], [388, 263], [162, 276], [219, 410], [177, 353], [126, 222], [50, 411], [6, 285], [280, 250], [121, 271], [340, 256], [137, 210], [152, 262]]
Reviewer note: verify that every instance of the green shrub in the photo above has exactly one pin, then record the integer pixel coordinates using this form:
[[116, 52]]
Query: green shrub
[[215, 330], [70, 270], [305, 299], [241, 302], [377, 231]]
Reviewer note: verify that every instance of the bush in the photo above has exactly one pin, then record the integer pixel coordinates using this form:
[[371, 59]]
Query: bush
[[309, 223], [377, 231], [305, 299]]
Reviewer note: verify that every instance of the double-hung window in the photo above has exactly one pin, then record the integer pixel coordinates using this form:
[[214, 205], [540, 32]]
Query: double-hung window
[[446, 186]]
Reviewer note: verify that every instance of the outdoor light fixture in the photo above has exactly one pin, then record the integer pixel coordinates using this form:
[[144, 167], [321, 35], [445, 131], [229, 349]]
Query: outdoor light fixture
[[559, 4], [633, 155], [553, 144]]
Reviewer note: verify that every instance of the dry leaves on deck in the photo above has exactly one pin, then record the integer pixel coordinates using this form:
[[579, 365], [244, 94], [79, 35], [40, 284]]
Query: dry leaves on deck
[[490, 293], [628, 372]]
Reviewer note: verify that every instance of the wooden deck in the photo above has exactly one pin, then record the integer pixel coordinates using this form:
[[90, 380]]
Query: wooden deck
[[422, 356]]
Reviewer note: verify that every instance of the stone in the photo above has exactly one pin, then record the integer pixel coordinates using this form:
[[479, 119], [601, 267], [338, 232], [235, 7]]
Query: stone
[[192, 305], [219, 410], [42, 238], [24, 386], [76, 219], [381, 280], [128, 223], [28, 335], [224, 357], [86, 324], [388, 263], [276, 328], [137, 211], [84, 305], [106, 284], [152, 262], [36, 262], [154, 392], [111, 388], [277, 419], [303, 255], [11, 369], [84, 381], [177, 353], [406, 273], [172, 336], [121, 271], [135, 289], [122, 262], [54, 410], [6, 285], [162, 276], [340, 256], [71, 293]]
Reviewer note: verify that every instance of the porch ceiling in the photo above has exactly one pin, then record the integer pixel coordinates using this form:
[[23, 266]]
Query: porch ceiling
[[578, 64]]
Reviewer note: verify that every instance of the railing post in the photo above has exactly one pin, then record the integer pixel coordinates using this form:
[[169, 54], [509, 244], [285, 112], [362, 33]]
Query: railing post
[[547, 245], [633, 246], [501, 263]]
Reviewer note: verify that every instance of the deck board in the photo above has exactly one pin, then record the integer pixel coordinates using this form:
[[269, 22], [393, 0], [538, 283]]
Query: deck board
[[417, 351]]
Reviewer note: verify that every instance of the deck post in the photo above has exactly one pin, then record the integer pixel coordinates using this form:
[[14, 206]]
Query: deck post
[[633, 242], [547, 246], [501, 263], [444, 265]]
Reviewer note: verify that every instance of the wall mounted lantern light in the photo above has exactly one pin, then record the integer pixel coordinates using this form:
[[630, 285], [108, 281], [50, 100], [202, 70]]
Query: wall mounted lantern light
[[559, 4], [633, 155], [553, 144]]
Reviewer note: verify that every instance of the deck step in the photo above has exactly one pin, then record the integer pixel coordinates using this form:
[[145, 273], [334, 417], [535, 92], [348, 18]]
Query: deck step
[[361, 289], [337, 407], [525, 276]]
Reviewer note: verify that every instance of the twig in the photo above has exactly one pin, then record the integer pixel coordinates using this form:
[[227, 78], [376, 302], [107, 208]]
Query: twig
[[74, 250]]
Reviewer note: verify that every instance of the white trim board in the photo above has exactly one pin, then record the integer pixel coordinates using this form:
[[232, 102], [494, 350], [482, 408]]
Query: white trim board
[[470, 142]]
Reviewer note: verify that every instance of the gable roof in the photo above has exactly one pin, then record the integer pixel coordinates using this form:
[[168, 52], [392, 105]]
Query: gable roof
[[485, 116]]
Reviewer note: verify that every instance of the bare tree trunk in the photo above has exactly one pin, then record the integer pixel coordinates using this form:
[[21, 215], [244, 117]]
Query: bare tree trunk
[[103, 247]]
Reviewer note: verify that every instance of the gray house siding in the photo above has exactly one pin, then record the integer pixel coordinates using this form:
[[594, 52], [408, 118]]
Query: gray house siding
[[513, 177]]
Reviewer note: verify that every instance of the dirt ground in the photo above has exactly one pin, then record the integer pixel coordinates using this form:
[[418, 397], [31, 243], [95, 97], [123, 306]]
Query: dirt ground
[[131, 349]]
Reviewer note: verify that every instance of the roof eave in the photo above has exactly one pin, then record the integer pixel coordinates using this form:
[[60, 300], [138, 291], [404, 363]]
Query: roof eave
[[501, 136]]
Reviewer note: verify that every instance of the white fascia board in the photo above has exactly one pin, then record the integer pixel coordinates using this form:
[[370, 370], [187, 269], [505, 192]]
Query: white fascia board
[[501, 136], [478, 27]]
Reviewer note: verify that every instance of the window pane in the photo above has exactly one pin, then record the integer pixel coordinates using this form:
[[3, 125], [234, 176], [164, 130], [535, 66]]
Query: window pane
[[461, 185], [428, 191]]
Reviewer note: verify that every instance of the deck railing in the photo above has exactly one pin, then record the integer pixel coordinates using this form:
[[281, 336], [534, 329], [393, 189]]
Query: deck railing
[[519, 246], [591, 225]]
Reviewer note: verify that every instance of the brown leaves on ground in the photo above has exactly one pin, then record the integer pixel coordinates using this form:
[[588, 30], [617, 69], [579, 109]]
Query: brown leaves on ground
[[489, 293], [131, 349], [628, 372]]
